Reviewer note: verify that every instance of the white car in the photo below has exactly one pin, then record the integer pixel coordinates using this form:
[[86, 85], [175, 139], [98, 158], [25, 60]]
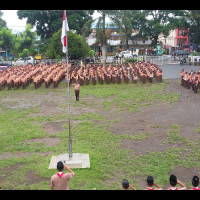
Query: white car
[[25, 61], [127, 54]]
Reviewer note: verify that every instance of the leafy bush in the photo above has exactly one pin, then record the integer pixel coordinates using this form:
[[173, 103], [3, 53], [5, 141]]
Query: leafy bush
[[130, 60], [195, 53]]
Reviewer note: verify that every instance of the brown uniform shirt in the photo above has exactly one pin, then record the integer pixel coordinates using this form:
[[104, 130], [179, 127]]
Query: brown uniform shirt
[[60, 182]]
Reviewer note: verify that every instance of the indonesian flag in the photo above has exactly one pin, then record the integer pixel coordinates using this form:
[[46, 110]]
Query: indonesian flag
[[65, 28]]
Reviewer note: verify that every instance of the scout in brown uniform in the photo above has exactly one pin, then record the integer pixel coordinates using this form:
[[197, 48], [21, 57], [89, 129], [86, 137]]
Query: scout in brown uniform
[[81, 78], [119, 74], [134, 78], [196, 84], [182, 75], [186, 80], [113, 76], [94, 76], [87, 77], [77, 90], [150, 75], [60, 180], [101, 77]]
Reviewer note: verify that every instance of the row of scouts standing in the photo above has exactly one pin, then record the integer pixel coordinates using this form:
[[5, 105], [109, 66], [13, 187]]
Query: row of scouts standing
[[143, 71], [22, 76], [190, 79]]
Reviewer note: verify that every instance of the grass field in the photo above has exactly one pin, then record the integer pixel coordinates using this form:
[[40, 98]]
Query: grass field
[[110, 163]]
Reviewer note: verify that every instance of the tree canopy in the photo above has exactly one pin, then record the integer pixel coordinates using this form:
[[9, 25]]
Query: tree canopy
[[155, 22], [77, 46], [48, 22], [2, 22]]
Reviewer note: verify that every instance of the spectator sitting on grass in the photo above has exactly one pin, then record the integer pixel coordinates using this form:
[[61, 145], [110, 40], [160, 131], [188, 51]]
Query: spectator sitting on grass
[[151, 183], [174, 181], [126, 185]]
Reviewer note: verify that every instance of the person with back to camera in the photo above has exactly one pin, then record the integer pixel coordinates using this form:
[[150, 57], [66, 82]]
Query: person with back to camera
[[195, 183], [174, 181], [60, 180], [151, 183], [77, 90], [126, 185]]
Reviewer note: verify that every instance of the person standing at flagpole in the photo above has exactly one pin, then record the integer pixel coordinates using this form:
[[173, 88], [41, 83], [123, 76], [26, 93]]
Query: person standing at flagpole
[[65, 28]]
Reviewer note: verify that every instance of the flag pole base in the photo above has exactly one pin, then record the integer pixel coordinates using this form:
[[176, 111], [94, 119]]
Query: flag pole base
[[77, 160]]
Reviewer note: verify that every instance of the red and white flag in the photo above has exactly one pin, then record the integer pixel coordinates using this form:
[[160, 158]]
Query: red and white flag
[[65, 28]]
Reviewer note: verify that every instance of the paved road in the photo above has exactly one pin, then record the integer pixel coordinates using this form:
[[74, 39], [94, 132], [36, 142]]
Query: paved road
[[174, 70], [171, 69]]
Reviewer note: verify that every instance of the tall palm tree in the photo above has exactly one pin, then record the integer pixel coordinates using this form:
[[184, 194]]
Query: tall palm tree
[[102, 34]]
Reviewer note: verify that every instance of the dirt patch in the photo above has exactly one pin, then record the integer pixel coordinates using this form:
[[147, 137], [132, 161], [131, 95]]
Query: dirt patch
[[9, 170], [183, 174], [8, 155], [185, 112], [32, 178], [47, 141], [53, 127], [49, 108]]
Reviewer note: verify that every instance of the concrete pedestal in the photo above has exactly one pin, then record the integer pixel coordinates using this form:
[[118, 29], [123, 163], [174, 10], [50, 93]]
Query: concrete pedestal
[[77, 160]]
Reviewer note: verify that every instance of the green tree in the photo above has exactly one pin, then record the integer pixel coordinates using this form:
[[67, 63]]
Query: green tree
[[48, 22], [125, 21], [155, 22], [77, 46], [102, 34], [6, 40], [24, 53], [2, 22], [28, 37], [25, 40], [193, 22]]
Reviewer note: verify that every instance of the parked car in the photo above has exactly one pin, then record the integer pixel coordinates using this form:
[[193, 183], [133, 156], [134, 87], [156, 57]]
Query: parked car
[[5, 63], [3, 68], [180, 53], [25, 61], [126, 54]]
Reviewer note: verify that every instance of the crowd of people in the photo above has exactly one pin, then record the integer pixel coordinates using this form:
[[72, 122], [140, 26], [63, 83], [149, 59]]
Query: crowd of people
[[60, 181], [173, 182], [17, 76], [144, 71], [190, 79]]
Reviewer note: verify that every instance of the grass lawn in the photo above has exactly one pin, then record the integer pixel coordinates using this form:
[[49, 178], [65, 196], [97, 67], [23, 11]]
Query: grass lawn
[[109, 162]]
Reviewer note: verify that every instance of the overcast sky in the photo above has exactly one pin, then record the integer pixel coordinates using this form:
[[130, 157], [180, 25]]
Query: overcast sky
[[17, 25], [12, 21]]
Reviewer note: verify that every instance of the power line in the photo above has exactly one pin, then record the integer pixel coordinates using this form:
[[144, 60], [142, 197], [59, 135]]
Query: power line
[[16, 26]]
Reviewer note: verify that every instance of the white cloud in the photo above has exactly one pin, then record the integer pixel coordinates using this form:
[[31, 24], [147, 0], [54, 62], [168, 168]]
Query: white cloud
[[13, 22]]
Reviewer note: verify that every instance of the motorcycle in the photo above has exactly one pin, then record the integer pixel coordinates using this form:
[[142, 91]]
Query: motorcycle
[[195, 61], [183, 61], [190, 61]]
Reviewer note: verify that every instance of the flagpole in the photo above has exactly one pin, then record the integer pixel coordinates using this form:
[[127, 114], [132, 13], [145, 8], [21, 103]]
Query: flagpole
[[70, 139]]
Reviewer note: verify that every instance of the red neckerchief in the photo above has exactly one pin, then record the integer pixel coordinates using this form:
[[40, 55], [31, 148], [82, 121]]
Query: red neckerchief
[[174, 189], [60, 175], [150, 188], [195, 188]]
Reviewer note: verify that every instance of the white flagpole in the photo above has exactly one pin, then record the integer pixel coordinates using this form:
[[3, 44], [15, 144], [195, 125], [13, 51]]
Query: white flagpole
[[70, 139]]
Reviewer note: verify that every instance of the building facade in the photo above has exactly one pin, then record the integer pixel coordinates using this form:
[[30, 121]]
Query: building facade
[[114, 43], [177, 39]]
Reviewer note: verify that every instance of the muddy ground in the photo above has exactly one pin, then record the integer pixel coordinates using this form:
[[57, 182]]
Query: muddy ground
[[153, 119]]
